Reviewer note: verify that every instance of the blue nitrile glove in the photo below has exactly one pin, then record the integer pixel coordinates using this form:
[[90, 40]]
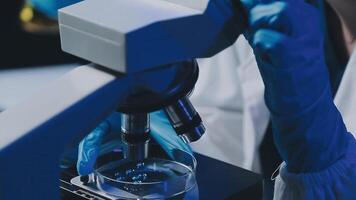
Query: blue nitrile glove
[[106, 137], [50, 7], [288, 42]]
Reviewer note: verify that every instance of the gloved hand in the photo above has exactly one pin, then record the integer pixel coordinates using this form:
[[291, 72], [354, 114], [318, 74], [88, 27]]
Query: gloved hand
[[50, 7], [106, 137], [288, 43]]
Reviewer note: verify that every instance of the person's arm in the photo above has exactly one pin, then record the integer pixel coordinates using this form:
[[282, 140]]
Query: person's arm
[[308, 129]]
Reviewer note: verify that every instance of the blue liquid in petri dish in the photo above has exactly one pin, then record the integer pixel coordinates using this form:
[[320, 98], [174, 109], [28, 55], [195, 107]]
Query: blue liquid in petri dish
[[149, 179]]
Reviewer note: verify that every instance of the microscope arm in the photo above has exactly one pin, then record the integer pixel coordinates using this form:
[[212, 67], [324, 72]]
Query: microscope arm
[[34, 133], [132, 36]]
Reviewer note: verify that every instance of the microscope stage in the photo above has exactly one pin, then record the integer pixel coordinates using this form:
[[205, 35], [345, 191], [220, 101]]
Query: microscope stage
[[216, 180]]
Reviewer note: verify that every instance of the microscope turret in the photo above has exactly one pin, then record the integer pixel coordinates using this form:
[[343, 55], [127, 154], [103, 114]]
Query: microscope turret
[[172, 98]]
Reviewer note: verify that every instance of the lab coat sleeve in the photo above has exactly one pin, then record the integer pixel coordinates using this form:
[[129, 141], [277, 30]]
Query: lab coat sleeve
[[337, 182]]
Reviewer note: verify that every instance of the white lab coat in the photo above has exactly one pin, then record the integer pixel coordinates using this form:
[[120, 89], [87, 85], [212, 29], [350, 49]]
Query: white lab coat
[[229, 97], [345, 99]]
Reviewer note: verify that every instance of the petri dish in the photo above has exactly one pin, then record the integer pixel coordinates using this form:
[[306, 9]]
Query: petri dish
[[153, 178]]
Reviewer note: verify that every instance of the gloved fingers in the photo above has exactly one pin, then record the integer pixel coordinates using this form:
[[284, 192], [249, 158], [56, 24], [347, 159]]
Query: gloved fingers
[[163, 132], [269, 46], [275, 28], [89, 148], [293, 18], [274, 16]]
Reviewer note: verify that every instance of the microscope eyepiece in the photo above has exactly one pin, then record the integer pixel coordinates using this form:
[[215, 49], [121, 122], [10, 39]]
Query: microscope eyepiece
[[185, 120]]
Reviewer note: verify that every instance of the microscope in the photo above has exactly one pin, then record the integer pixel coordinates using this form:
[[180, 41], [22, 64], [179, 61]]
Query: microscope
[[144, 53], [135, 36], [132, 36]]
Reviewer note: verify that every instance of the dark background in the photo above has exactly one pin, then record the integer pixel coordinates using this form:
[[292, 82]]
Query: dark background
[[19, 48]]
